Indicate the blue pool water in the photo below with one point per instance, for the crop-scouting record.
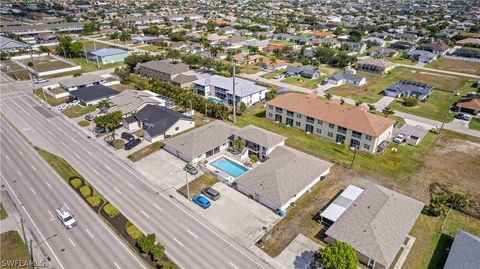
(232, 168)
(215, 99)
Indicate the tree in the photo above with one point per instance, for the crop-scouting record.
(105, 104)
(371, 107)
(342, 101)
(146, 243)
(168, 265)
(355, 36)
(124, 37)
(410, 101)
(358, 103)
(114, 36)
(242, 107)
(253, 50)
(157, 251)
(387, 111)
(68, 48)
(90, 27)
(339, 255)
(109, 121)
(133, 59)
(45, 49)
(328, 96)
(152, 30)
(238, 145)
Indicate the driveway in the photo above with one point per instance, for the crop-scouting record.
(384, 102)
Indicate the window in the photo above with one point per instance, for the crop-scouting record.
(319, 130)
(356, 134)
(320, 122)
(270, 115)
(330, 134)
(368, 137)
(278, 118)
(278, 110)
(310, 120)
(366, 146)
(290, 113)
(342, 130)
(177, 128)
(331, 125)
(299, 116)
(270, 106)
(297, 123)
(289, 122)
(308, 128)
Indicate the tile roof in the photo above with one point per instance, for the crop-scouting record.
(470, 103)
(465, 252)
(352, 118)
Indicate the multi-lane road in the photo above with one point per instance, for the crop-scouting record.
(190, 241)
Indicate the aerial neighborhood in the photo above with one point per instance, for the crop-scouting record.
(240, 134)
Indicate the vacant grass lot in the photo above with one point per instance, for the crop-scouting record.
(456, 66)
(474, 124)
(14, 70)
(400, 60)
(45, 63)
(50, 99)
(3, 213)
(399, 165)
(89, 66)
(153, 48)
(196, 185)
(303, 82)
(78, 110)
(13, 249)
(250, 69)
(145, 151)
(272, 74)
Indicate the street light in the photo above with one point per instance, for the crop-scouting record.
(186, 182)
(355, 149)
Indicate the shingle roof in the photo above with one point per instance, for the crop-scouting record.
(166, 67)
(376, 62)
(353, 118)
(465, 252)
(93, 93)
(81, 80)
(377, 223)
(286, 172)
(243, 87)
(130, 100)
(7, 43)
(158, 119)
(260, 136)
(108, 52)
(342, 75)
(182, 78)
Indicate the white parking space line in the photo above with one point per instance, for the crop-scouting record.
(130, 185)
(18, 171)
(117, 190)
(233, 265)
(190, 232)
(178, 242)
(95, 171)
(49, 132)
(76, 155)
(34, 192)
(71, 241)
(155, 205)
(63, 144)
(145, 214)
(117, 265)
(106, 166)
(51, 215)
(48, 185)
(89, 233)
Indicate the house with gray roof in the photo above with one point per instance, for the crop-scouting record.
(86, 80)
(9, 45)
(158, 122)
(347, 77)
(283, 178)
(306, 71)
(130, 101)
(166, 71)
(407, 88)
(376, 225)
(422, 56)
(93, 94)
(465, 252)
(258, 141)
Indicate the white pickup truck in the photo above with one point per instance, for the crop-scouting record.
(66, 217)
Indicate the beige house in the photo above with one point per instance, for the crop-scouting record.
(352, 126)
(375, 65)
(177, 74)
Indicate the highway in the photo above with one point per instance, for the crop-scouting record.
(189, 240)
(37, 190)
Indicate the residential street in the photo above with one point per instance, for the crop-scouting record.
(439, 71)
(189, 240)
(37, 192)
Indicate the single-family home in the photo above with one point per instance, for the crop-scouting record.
(469, 104)
(306, 71)
(422, 56)
(130, 101)
(327, 42)
(436, 48)
(381, 52)
(355, 127)
(46, 38)
(347, 77)
(271, 48)
(406, 37)
(376, 225)
(375, 65)
(356, 47)
(227, 30)
(177, 74)
(233, 42)
(321, 34)
(10, 45)
(468, 42)
(93, 94)
(256, 43)
(407, 88)
(402, 46)
(158, 122)
(464, 251)
(258, 141)
(271, 64)
(467, 53)
(108, 55)
(143, 39)
(219, 87)
(374, 41)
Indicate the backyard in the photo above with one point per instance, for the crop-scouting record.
(250, 69)
(474, 124)
(456, 66)
(89, 66)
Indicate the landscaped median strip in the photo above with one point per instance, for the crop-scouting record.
(152, 252)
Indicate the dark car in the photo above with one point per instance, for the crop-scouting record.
(99, 130)
(463, 116)
(127, 136)
(190, 169)
(211, 193)
(201, 201)
(70, 99)
(131, 144)
(89, 117)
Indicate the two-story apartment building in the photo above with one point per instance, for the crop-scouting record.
(177, 74)
(355, 127)
(218, 87)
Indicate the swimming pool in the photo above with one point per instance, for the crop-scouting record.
(230, 167)
(215, 99)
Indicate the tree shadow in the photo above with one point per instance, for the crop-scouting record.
(304, 259)
(440, 254)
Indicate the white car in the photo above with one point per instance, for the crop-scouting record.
(399, 138)
(66, 217)
(41, 80)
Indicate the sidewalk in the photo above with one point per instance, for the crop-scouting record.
(439, 71)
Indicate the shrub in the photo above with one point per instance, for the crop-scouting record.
(254, 158)
(76, 182)
(438, 205)
(168, 265)
(117, 143)
(111, 210)
(94, 201)
(83, 123)
(145, 243)
(133, 231)
(339, 255)
(77, 74)
(410, 101)
(157, 251)
(86, 191)
(434, 131)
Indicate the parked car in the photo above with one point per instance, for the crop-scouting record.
(463, 116)
(399, 138)
(131, 144)
(211, 193)
(127, 136)
(66, 217)
(99, 130)
(41, 80)
(70, 99)
(190, 169)
(89, 117)
(201, 201)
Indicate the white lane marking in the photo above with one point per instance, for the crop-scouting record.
(89, 153)
(71, 241)
(89, 233)
(63, 144)
(34, 224)
(51, 215)
(130, 185)
(95, 171)
(155, 205)
(106, 166)
(67, 207)
(178, 241)
(19, 152)
(33, 168)
(48, 185)
(8, 157)
(18, 171)
(190, 232)
(76, 155)
(49, 132)
(117, 190)
(145, 214)
(117, 265)
(33, 190)
(233, 265)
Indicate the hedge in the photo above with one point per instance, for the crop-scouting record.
(86, 191)
(111, 210)
(83, 123)
(117, 143)
(133, 231)
(76, 182)
(94, 200)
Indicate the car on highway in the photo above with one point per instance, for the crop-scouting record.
(463, 116)
(131, 144)
(41, 80)
(211, 193)
(201, 201)
(399, 138)
(190, 169)
(89, 117)
(127, 136)
(66, 217)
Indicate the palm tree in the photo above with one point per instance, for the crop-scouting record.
(124, 37)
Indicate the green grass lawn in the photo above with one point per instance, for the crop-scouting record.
(3, 213)
(78, 110)
(398, 165)
(89, 66)
(429, 250)
(13, 249)
(62, 167)
(474, 124)
(272, 74)
(145, 151)
(153, 48)
(50, 99)
(456, 66)
(195, 186)
(282, 42)
(400, 60)
(304, 82)
(250, 69)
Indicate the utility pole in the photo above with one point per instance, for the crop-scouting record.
(188, 188)
(446, 115)
(96, 55)
(234, 97)
(353, 159)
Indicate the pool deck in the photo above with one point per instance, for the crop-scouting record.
(222, 175)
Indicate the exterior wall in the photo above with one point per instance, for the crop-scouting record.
(180, 126)
(322, 128)
(113, 58)
(151, 139)
(264, 201)
(147, 72)
(133, 126)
